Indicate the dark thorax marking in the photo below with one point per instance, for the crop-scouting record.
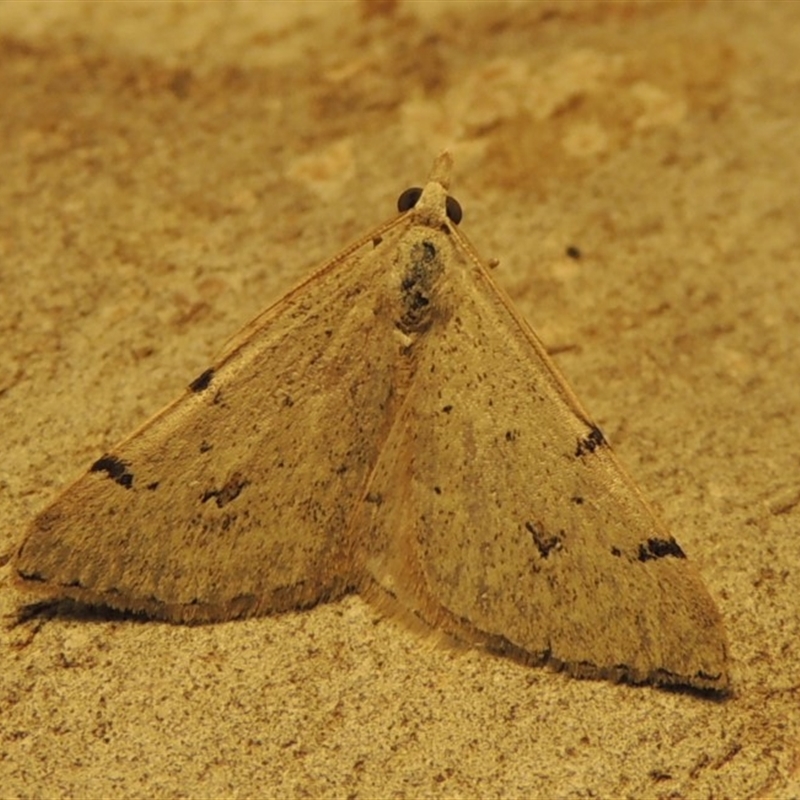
(416, 287)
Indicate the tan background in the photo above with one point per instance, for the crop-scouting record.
(169, 169)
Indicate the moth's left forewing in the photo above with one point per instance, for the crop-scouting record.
(238, 497)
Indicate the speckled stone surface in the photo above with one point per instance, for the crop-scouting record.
(170, 169)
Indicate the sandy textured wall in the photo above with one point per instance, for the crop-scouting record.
(169, 169)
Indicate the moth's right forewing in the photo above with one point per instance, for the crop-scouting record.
(506, 518)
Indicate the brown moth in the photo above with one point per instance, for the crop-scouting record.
(391, 426)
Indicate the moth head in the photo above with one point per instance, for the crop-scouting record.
(411, 197)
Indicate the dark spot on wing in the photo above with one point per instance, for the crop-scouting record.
(31, 576)
(115, 469)
(577, 499)
(230, 491)
(544, 542)
(180, 83)
(205, 447)
(202, 381)
(615, 551)
(447, 409)
(152, 486)
(660, 548)
(374, 497)
(574, 252)
(590, 443)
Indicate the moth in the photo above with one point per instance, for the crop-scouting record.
(394, 427)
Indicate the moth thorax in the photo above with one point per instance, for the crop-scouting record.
(417, 290)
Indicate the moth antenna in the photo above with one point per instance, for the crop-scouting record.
(442, 169)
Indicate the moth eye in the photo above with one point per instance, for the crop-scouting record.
(408, 199)
(454, 210)
(411, 196)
